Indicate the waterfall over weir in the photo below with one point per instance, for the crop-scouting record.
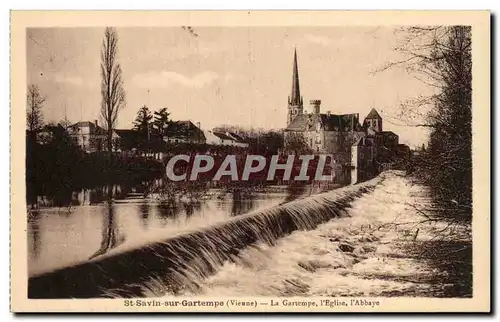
(201, 252)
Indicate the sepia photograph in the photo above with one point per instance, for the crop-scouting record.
(252, 167)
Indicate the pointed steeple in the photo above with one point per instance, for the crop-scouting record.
(295, 106)
(295, 98)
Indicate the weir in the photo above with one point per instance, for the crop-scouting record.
(198, 253)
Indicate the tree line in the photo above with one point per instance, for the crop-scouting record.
(440, 56)
(57, 165)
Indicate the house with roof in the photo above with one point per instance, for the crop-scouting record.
(211, 138)
(226, 139)
(48, 133)
(238, 140)
(222, 138)
(89, 136)
(184, 132)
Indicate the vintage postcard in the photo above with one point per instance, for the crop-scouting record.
(204, 161)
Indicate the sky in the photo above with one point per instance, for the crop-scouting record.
(231, 75)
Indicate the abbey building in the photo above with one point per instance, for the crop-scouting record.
(358, 147)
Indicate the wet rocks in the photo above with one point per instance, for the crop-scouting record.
(294, 287)
(368, 238)
(319, 251)
(333, 237)
(307, 266)
(369, 248)
(315, 264)
(363, 249)
(346, 248)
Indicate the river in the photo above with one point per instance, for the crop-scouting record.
(89, 226)
(379, 244)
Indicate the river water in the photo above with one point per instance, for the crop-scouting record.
(91, 226)
(381, 246)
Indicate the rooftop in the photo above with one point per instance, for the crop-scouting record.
(184, 129)
(223, 136)
(330, 122)
(373, 114)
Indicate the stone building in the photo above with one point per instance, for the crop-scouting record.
(355, 146)
(363, 156)
(323, 133)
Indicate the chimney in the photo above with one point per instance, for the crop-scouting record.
(198, 124)
(328, 113)
(95, 122)
(316, 104)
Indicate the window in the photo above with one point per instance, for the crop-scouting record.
(318, 139)
(375, 123)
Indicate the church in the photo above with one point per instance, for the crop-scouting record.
(354, 145)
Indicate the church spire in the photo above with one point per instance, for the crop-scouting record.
(295, 99)
(295, 107)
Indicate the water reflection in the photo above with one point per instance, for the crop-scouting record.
(167, 210)
(110, 233)
(113, 218)
(294, 191)
(34, 235)
(96, 196)
(144, 211)
(189, 208)
(243, 202)
(83, 197)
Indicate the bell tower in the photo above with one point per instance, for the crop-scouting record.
(295, 103)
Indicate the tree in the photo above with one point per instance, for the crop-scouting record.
(161, 120)
(142, 121)
(269, 141)
(35, 102)
(440, 56)
(65, 122)
(296, 143)
(112, 92)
